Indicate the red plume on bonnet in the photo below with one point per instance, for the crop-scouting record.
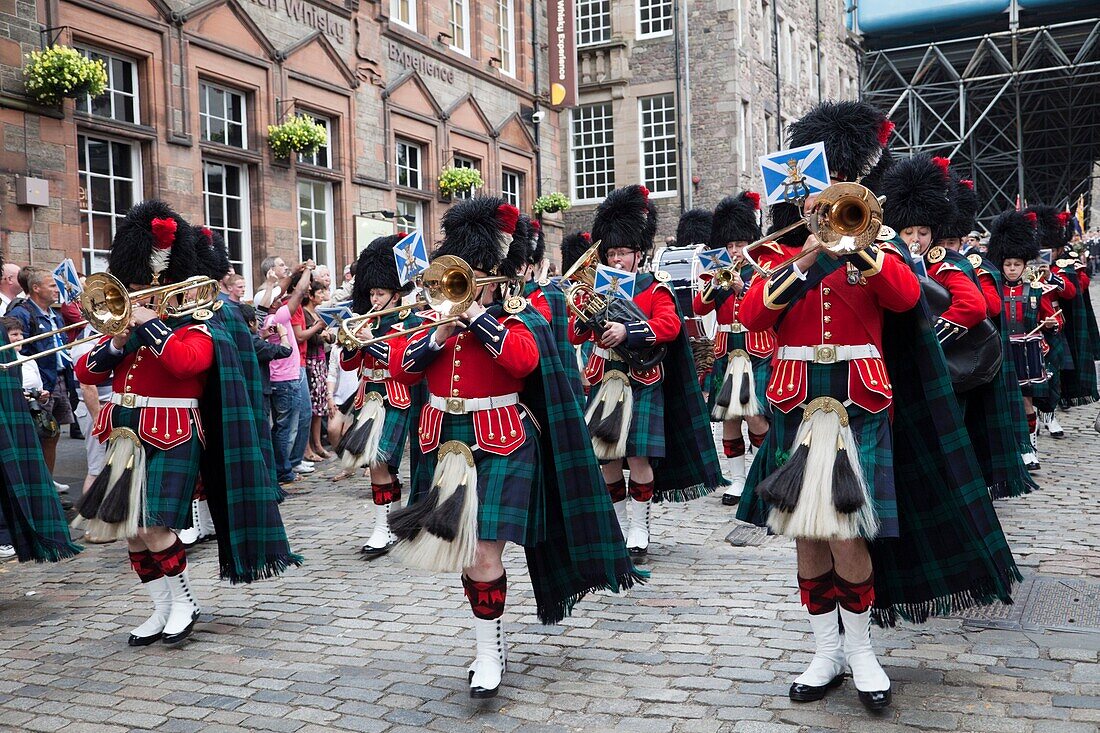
(164, 235)
(507, 216)
(884, 132)
(1033, 218)
(942, 163)
(587, 236)
(754, 198)
(1064, 217)
(967, 182)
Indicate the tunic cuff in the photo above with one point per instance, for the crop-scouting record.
(490, 332)
(104, 357)
(154, 335)
(419, 354)
(639, 333)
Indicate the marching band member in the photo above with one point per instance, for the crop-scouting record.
(181, 403)
(494, 463)
(380, 411)
(851, 346)
(1027, 311)
(651, 416)
(742, 358)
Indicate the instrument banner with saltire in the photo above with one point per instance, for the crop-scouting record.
(580, 547)
(613, 282)
(714, 259)
(410, 254)
(237, 464)
(949, 552)
(28, 499)
(690, 467)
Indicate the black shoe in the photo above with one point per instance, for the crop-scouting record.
(372, 553)
(480, 693)
(810, 693)
(730, 500)
(638, 554)
(874, 700)
(174, 638)
(143, 640)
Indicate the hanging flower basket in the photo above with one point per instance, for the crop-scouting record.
(61, 72)
(459, 180)
(299, 134)
(551, 203)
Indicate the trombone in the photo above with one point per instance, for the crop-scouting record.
(450, 288)
(846, 217)
(107, 306)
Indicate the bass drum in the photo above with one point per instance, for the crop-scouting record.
(975, 358)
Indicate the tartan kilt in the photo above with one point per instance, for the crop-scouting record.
(170, 475)
(646, 436)
(395, 429)
(1047, 394)
(872, 434)
(761, 371)
(511, 500)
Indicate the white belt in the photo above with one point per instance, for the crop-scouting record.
(730, 328)
(602, 352)
(376, 375)
(827, 353)
(137, 400)
(462, 406)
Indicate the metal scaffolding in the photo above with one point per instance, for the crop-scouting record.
(1017, 110)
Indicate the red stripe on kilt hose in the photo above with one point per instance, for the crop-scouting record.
(486, 598)
(733, 448)
(818, 594)
(145, 565)
(172, 561)
(855, 597)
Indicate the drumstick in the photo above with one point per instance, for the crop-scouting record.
(1038, 328)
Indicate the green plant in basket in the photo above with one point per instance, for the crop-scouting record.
(551, 203)
(459, 180)
(61, 72)
(298, 134)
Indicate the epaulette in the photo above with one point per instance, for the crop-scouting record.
(515, 304)
(936, 254)
(885, 234)
(975, 260)
(661, 276)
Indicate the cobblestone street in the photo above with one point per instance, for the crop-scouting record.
(710, 644)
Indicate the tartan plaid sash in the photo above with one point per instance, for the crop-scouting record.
(28, 499)
(1079, 384)
(238, 467)
(555, 297)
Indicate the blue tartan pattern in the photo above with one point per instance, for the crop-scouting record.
(1079, 380)
(28, 500)
(646, 434)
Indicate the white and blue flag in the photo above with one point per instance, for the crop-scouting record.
(796, 173)
(613, 282)
(411, 257)
(333, 314)
(715, 259)
(68, 281)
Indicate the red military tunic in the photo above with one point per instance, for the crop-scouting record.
(832, 313)
(168, 365)
(372, 365)
(988, 283)
(489, 358)
(757, 343)
(968, 305)
(538, 301)
(662, 326)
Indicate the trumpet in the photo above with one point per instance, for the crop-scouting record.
(347, 333)
(107, 306)
(723, 277)
(450, 288)
(846, 218)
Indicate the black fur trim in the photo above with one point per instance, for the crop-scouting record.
(572, 247)
(213, 258)
(626, 218)
(847, 493)
(88, 504)
(376, 268)
(916, 193)
(746, 395)
(964, 209)
(1051, 233)
(783, 487)
(116, 504)
(735, 220)
(472, 231)
(850, 131)
(443, 522)
(694, 227)
(784, 215)
(133, 246)
(520, 250)
(725, 395)
(405, 523)
(1011, 235)
(873, 180)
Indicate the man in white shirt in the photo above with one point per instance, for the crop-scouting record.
(9, 286)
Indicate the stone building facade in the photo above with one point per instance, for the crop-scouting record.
(692, 134)
(404, 87)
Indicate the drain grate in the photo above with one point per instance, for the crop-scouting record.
(747, 535)
(1043, 603)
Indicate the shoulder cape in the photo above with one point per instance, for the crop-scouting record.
(584, 549)
(238, 468)
(28, 499)
(690, 468)
(951, 553)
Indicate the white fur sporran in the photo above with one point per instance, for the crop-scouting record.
(738, 372)
(609, 414)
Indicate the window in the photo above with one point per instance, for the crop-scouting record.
(120, 100)
(460, 26)
(464, 162)
(771, 135)
(322, 157)
(506, 36)
(511, 187)
(410, 215)
(593, 22)
(408, 164)
(792, 54)
(658, 132)
(814, 68)
(654, 18)
(593, 152)
(222, 116)
(225, 198)
(315, 236)
(403, 12)
(766, 36)
(110, 179)
(744, 135)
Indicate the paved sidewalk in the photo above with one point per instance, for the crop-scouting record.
(710, 644)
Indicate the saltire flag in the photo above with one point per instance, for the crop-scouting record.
(333, 314)
(715, 259)
(411, 256)
(613, 282)
(795, 174)
(68, 281)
